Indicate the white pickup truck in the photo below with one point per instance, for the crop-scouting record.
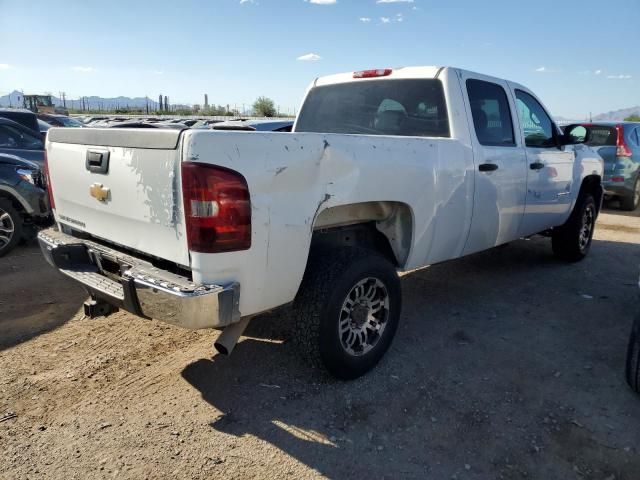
(386, 170)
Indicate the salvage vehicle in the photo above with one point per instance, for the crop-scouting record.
(22, 116)
(618, 143)
(386, 170)
(24, 204)
(16, 139)
(60, 120)
(255, 125)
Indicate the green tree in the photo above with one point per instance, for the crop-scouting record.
(264, 107)
(633, 118)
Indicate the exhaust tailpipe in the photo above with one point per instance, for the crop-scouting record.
(227, 340)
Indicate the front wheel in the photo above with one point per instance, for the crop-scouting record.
(347, 311)
(633, 357)
(10, 227)
(572, 240)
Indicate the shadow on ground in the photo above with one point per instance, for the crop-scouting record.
(612, 207)
(507, 364)
(34, 297)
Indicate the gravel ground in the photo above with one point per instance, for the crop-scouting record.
(507, 364)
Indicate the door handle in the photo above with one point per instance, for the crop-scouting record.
(97, 161)
(536, 166)
(487, 167)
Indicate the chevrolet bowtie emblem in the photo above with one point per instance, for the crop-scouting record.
(99, 192)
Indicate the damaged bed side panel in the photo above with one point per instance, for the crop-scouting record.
(293, 178)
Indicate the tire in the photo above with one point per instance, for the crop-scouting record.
(10, 227)
(631, 202)
(633, 357)
(572, 241)
(355, 290)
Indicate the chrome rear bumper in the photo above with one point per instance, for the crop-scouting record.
(135, 285)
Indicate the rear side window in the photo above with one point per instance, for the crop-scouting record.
(602, 136)
(491, 113)
(377, 107)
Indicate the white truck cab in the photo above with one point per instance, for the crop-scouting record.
(386, 170)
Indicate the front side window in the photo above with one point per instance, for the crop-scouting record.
(405, 107)
(491, 113)
(537, 125)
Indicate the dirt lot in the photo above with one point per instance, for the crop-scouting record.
(507, 364)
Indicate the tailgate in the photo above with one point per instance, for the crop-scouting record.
(121, 185)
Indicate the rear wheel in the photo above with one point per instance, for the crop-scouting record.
(572, 240)
(347, 311)
(633, 357)
(631, 201)
(10, 227)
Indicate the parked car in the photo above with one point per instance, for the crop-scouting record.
(255, 125)
(618, 143)
(24, 204)
(16, 139)
(24, 117)
(60, 120)
(385, 170)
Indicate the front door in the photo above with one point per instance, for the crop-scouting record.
(500, 165)
(550, 168)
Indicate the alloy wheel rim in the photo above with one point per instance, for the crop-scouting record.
(636, 193)
(586, 228)
(7, 228)
(364, 316)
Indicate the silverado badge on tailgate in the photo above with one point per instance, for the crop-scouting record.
(99, 191)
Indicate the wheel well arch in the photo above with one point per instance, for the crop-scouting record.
(592, 184)
(384, 226)
(14, 200)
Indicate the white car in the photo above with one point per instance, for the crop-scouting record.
(386, 170)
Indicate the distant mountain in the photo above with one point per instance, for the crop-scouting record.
(14, 99)
(617, 115)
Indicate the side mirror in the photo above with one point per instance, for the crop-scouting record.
(575, 134)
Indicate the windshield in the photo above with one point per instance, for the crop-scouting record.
(404, 107)
(69, 122)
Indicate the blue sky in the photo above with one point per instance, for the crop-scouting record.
(578, 56)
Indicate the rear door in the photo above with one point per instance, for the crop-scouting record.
(120, 185)
(500, 164)
(550, 168)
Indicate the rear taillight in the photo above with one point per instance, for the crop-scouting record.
(381, 72)
(217, 208)
(47, 177)
(622, 149)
